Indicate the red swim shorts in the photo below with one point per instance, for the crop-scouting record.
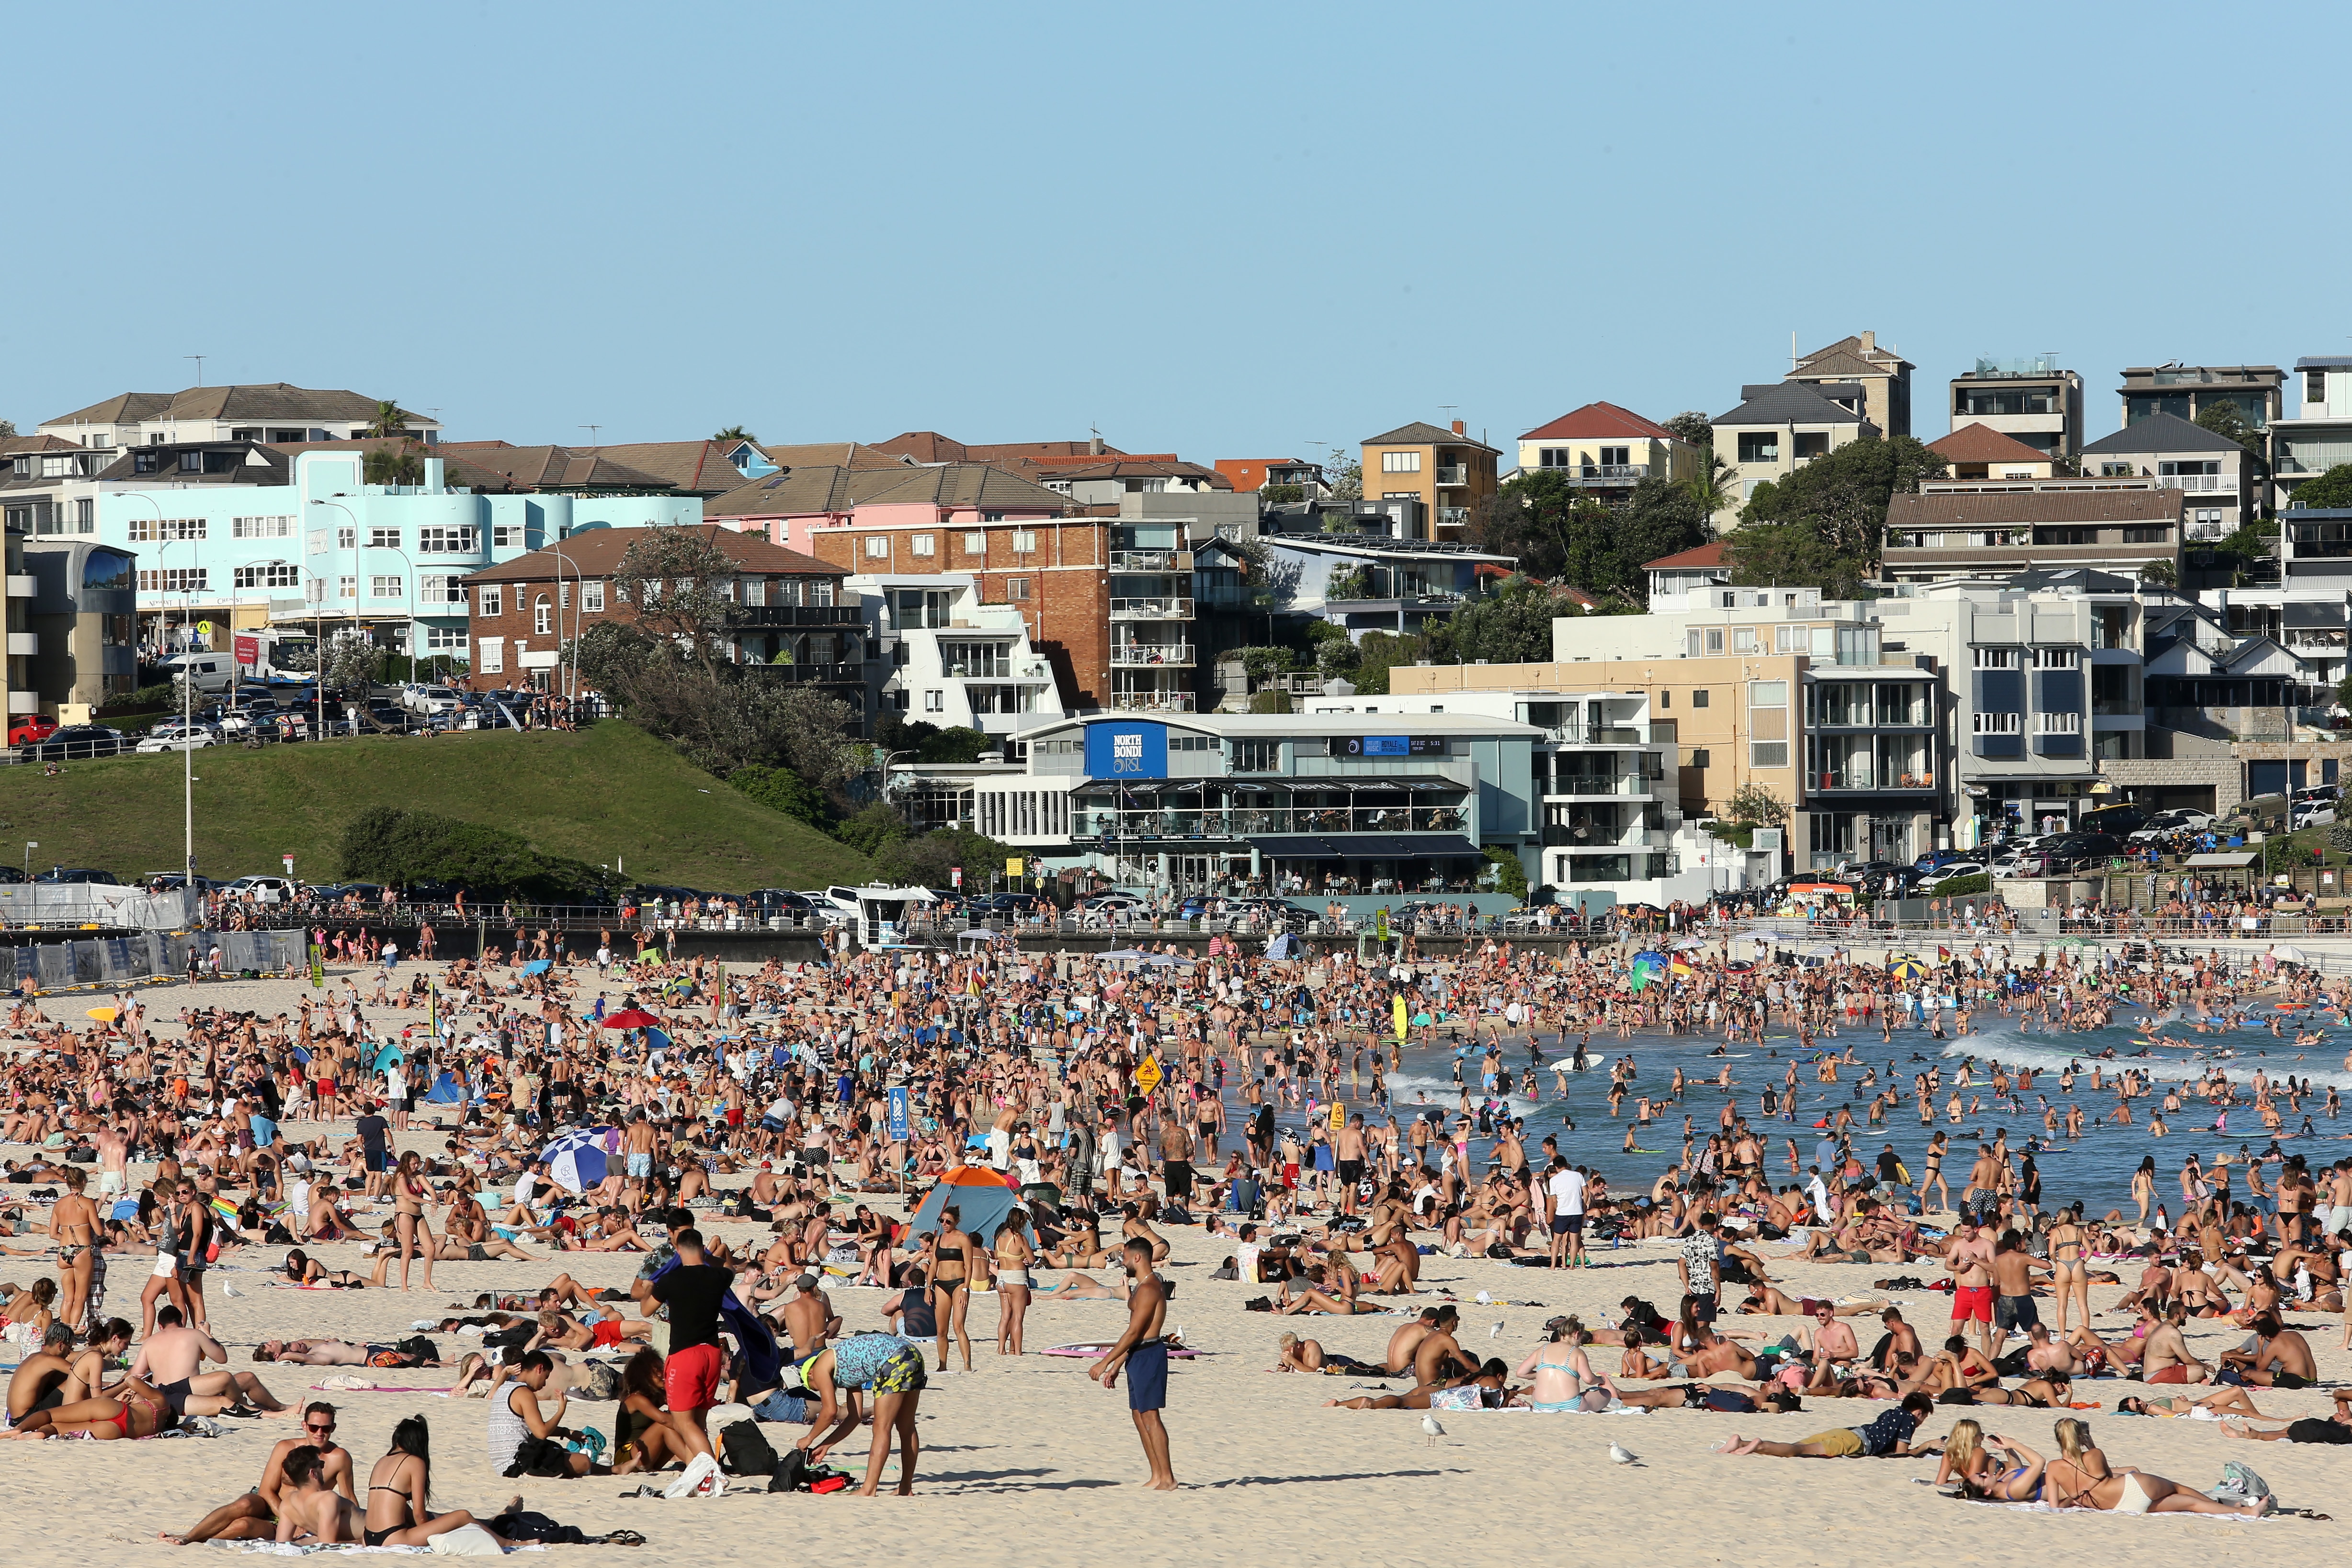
(2175, 1373)
(604, 1334)
(1973, 1303)
(690, 1377)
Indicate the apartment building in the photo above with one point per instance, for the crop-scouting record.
(1981, 452)
(1672, 576)
(81, 623)
(938, 654)
(1289, 480)
(1782, 423)
(1446, 470)
(1604, 451)
(2213, 474)
(2031, 401)
(1883, 375)
(2319, 437)
(272, 414)
(786, 612)
(1979, 529)
(2184, 391)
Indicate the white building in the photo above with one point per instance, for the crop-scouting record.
(943, 658)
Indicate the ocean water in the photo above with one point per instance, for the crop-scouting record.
(2096, 1167)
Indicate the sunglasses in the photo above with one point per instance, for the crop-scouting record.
(321, 1431)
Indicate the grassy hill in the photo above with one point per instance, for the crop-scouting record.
(609, 794)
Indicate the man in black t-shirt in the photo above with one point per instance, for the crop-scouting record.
(375, 1149)
(692, 1290)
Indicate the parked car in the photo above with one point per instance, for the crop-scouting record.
(431, 699)
(32, 727)
(265, 890)
(1934, 859)
(2315, 813)
(1950, 871)
(75, 742)
(82, 876)
(178, 735)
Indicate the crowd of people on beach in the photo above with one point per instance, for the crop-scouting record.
(596, 1103)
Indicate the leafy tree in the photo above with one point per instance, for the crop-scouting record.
(2332, 490)
(1283, 495)
(1825, 523)
(782, 789)
(384, 844)
(1716, 486)
(1379, 652)
(872, 827)
(8, 428)
(926, 860)
(390, 420)
(734, 433)
(673, 580)
(1355, 583)
(1265, 663)
(2245, 545)
(1557, 531)
(2159, 572)
(1511, 625)
(1693, 426)
(400, 465)
(2226, 419)
(1344, 475)
(719, 714)
(1336, 656)
(1510, 872)
(1755, 802)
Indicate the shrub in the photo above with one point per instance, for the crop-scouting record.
(1965, 887)
(384, 844)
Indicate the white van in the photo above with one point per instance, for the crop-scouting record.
(206, 671)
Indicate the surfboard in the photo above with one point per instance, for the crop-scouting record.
(1104, 1349)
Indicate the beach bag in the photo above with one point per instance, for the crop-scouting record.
(745, 1450)
(539, 1456)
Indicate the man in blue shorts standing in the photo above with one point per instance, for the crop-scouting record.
(1142, 1350)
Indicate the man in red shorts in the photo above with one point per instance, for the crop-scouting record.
(691, 1289)
(1969, 1257)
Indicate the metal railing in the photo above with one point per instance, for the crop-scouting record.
(1171, 609)
(1453, 477)
(1133, 656)
(1571, 785)
(1230, 822)
(1151, 561)
(1152, 701)
(1603, 473)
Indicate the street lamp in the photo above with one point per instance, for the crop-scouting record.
(187, 690)
(321, 619)
(572, 676)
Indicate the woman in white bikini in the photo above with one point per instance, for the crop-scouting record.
(1014, 1256)
(2081, 1479)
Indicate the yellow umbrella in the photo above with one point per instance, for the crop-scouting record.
(1908, 969)
(103, 1015)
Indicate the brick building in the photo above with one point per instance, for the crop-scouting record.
(783, 606)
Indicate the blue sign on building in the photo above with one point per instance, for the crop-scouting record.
(1126, 749)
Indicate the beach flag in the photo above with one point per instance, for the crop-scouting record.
(1680, 966)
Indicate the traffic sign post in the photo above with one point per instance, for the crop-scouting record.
(900, 1122)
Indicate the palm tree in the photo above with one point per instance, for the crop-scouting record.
(389, 420)
(734, 433)
(1716, 486)
(392, 465)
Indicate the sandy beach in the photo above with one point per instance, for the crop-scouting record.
(1026, 1460)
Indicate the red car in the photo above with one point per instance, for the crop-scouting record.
(30, 729)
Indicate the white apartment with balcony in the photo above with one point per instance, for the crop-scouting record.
(1604, 451)
(2031, 401)
(2319, 437)
(941, 656)
(2218, 492)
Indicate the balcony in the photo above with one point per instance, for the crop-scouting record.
(1151, 701)
(24, 702)
(1580, 786)
(1159, 656)
(1851, 779)
(1151, 561)
(1597, 734)
(2225, 483)
(812, 674)
(1238, 821)
(1455, 477)
(23, 585)
(1152, 609)
(794, 616)
(1452, 516)
(22, 642)
(1602, 476)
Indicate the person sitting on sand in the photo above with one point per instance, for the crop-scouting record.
(1307, 1355)
(253, 1516)
(1338, 1297)
(1968, 1461)
(2080, 1478)
(140, 1412)
(609, 1331)
(301, 1268)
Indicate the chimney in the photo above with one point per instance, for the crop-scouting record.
(1457, 428)
(1095, 446)
(1869, 341)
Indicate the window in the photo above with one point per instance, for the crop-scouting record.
(269, 575)
(1699, 757)
(384, 538)
(1016, 588)
(1767, 754)
(1996, 724)
(591, 598)
(820, 590)
(1715, 639)
(2315, 387)
(1698, 698)
(493, 600)
(1791, 639)
(975, 545)
(85, 516)
(1555, 458)
(384, 587)
(444, 639)
(934, 702)
(1616, 457)
(1229, 531)
(2159, 534)
(347, 588)
(1997, 658)
(2057, 658)
(506, 535)
(1257, 757)
(1743, 639)
(919, 544)
(261, 528)
(142, 462)
(57, 467)
(1759, 446)
(491, 654)
(1024, 542)
(1399, 462)
(192, 462)
(540, 616)
(147, 530)
(175, 580)
(1191, 743)
(877, 547)
(992, 660)
(1768, 724)
(441, 590)
(448, 541)
(2057, 723)
(1665, 699)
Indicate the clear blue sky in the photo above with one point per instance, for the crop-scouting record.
(1225, 231)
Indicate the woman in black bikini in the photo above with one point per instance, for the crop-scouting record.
(399, 1486)
(948, 1280)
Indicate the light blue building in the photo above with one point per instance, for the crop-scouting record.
(326, 547)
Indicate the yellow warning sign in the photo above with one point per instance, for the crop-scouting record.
(1148, 1075)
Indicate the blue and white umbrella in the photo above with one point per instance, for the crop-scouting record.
(576, 1161)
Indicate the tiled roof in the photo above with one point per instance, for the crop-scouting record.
(2162, 432)
(691, 466)
(1786, 403)
(1421, 433)
(1596, 421)
(264, 401)
(805, 492)
(1688, 560)
(2001, 509)
(594, 552)
(1983, 444)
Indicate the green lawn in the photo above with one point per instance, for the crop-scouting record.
(611, 795)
